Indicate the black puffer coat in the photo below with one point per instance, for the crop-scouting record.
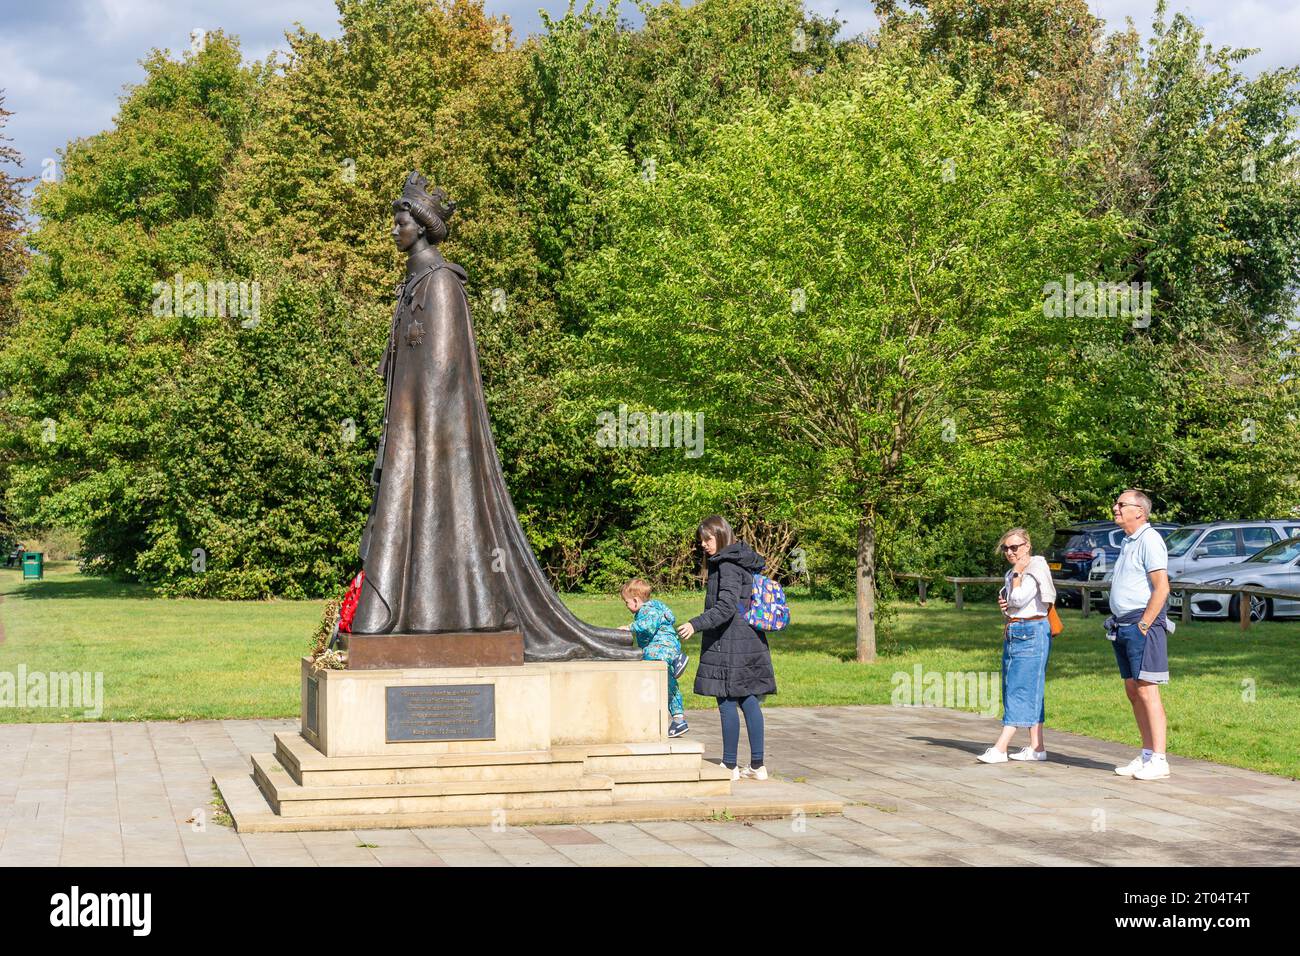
(734, 657)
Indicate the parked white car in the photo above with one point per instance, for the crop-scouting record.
(1196, 548)
(1276, 567)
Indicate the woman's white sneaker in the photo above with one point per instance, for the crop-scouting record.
(1130, 768)
(734, 771)
(1028, 753)
(993, 755)
(752, 774)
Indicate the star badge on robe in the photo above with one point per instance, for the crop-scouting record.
(415, 333)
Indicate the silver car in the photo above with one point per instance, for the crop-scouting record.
(1276, 567)
(1195, 548)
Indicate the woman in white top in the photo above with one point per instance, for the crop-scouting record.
(1027, 642)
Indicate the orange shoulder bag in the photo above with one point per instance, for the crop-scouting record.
(1054, 621)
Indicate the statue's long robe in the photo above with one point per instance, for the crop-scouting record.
(443, 550)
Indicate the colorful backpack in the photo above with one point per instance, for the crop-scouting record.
(767, 608)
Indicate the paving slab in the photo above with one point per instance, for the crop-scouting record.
(107, 794)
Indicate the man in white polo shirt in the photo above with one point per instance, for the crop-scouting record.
(1138, 627)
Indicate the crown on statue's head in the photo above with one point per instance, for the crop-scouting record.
(416, 192)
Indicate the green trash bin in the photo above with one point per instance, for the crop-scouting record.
(33, 565)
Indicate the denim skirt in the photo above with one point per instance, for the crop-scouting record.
(1024, 672)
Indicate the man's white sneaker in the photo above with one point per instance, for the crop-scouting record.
(751, 774)
(1153, 769)
(1028, 753)
(993, 755)
(1130, 768)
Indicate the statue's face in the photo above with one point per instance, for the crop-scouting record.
(406, 231)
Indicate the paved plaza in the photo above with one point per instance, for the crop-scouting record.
(102, 794)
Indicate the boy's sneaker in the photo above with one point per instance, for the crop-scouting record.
(1028, 753)
(755, 773)
(1153, 769)
(1130, 768)
(678, 727)
(679, 665)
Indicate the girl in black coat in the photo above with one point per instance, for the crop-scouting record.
(735, 663)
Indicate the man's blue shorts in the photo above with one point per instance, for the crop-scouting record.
(1142, 657)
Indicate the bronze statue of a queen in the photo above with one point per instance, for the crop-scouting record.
(450, 577)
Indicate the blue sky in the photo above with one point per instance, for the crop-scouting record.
(63, 63)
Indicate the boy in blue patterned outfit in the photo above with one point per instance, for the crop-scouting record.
(655, 635)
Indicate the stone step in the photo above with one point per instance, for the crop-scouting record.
(353, 771)
(670, 789)
(750, 800)
(637, 762)
(669, 765)
(704, 780)
(691, 775)
(375, 793)
(671, 757)
(665, 746)
(285, 787)
(483, 776)
(289, 798)
(301, 756)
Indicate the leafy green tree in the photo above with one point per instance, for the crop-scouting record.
(281, 175)
(13, 263)
(1051, 56)
(13, 247)
(1219, 238)
(637, 209)
(1202, 161)
(850, 290)
(691, 65)
(601, 94)
(90, 368)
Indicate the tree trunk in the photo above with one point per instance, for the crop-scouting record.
(866, 588)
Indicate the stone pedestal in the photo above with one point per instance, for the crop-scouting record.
(580, 741)
(537, 706)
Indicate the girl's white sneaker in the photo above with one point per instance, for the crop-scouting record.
(1028, 753)
(752, 774)
(735, 771)
(993, 755)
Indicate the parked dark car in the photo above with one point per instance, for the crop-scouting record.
(1075, 547)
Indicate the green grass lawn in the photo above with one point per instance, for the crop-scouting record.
(186, 659)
